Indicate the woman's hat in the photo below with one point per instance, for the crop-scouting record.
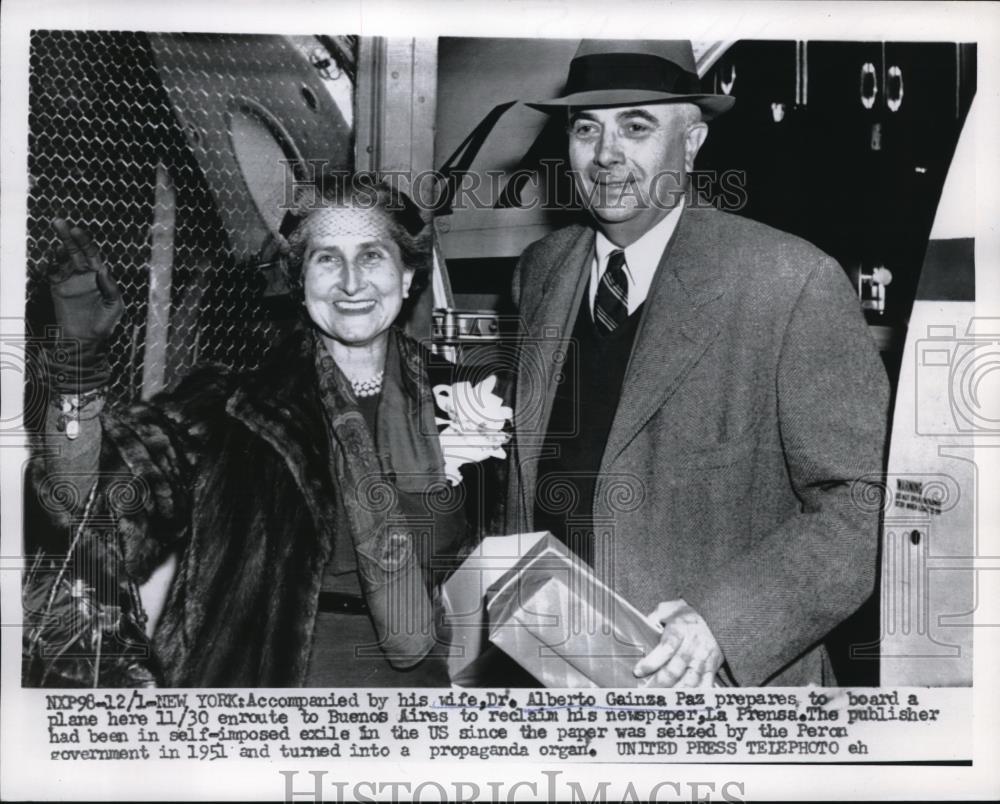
(622, 72)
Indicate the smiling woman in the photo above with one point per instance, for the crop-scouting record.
(309, 502)
(354, 283)
(347, 263)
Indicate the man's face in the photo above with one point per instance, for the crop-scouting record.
(630, 163)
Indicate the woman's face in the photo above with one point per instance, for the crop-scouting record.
(352, 274)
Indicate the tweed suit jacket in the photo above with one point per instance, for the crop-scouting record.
(741, 469)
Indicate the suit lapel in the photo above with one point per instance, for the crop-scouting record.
(549, 323)
(680, 319)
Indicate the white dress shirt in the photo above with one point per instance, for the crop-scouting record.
(641, 259)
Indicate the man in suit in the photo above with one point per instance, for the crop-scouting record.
(700, 409)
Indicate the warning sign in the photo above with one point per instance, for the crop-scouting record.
(910, 494)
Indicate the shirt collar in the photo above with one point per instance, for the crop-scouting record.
(641, 258)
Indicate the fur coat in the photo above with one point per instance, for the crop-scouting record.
(232, 473)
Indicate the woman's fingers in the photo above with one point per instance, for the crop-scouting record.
(56, 266)
(81, 250)
(88, 300)
(111, 296)
(70, 240)
(91, 252)
(61, 227)
(87, 256)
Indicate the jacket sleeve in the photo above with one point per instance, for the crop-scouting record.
(772, 603)
(515, 282)
(148, 453)
(526, 273)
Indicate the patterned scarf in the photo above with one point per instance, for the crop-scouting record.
(389, 566)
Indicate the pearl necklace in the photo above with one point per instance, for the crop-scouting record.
(368, 387)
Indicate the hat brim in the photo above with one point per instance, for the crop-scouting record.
(710, 105)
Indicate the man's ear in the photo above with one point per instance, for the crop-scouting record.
(693, 140)
(408, 275)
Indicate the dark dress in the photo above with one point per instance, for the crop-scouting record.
(345, 645)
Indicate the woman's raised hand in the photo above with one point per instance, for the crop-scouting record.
(87, 305)
(87, 301)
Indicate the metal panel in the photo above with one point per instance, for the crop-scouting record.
(101, 123)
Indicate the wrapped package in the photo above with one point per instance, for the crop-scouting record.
(472, 660)
(528, 599)
(553, 616)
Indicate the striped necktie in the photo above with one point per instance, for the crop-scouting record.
(611, 301)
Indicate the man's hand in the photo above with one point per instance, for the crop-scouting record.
(86, 299)
(687, 656)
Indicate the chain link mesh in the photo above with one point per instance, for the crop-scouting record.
(102, 129)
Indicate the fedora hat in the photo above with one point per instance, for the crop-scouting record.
(622, 72)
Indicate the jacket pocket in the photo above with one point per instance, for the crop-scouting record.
(688, 454)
